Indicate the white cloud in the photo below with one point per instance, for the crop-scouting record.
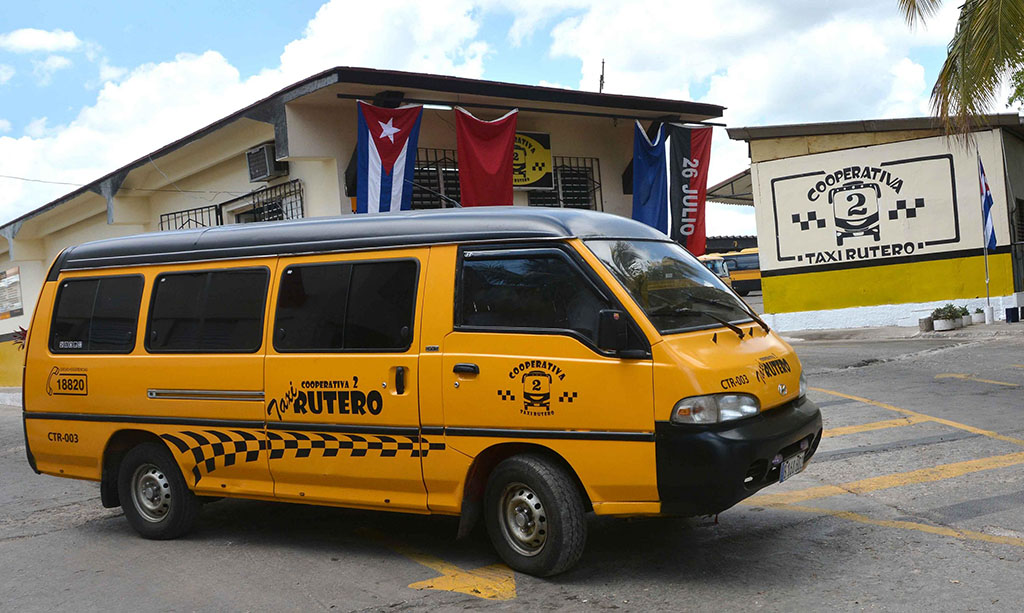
(769, 63)
(153, 104)
(109, 72)
(44, 69)
(5, 126)
(36, 128)
(27, 40)
(6, 72)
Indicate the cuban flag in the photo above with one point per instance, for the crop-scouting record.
(387, 154)
(986, 209)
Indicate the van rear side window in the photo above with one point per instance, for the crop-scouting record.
(364, 306)
(218, 311)
(97, 315)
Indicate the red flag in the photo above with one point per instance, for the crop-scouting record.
(485, 158)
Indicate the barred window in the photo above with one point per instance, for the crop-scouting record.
(577, 185)
(274, 203)
(435, 179)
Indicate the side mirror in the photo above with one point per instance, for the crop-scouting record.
(612, 331)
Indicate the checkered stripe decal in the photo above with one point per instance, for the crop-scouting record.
(210, 448)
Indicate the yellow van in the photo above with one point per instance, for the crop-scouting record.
(716, 264)
(519, 366)
(744, 269)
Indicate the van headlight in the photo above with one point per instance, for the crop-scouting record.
(803, 385)
(715, 408)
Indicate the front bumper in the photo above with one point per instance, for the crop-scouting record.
(705, 470)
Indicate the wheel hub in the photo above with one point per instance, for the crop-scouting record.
(151, 493)
(523, 519)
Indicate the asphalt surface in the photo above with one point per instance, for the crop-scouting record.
(915, 501)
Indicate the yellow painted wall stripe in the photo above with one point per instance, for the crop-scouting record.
(875, 425)
(966, 377)
(908, 525)
(938, 420)
(923, 281)
(882, 482)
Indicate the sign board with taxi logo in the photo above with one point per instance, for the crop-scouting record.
(531, 161)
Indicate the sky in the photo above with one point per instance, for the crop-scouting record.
(88, 87)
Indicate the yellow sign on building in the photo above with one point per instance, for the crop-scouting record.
(531, 161)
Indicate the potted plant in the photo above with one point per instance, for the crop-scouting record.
(965, 315)
(978, 317)
(944, 318)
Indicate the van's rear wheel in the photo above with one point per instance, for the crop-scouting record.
(156, 501)
(535, 515)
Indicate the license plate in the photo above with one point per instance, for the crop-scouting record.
(791, 466)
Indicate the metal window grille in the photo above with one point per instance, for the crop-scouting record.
(577, 183)
(273, 203)
(435, 179)
(201, 217)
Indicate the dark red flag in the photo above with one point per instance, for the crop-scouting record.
(485, 158)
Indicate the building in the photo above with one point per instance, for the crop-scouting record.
(286, 157)
(867, 223)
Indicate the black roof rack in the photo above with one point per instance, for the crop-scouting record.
(349, 233)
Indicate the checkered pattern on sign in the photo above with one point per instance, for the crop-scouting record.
(213, 448)
(909, 211)
(568, 397)
(812, 218)
(506, 395)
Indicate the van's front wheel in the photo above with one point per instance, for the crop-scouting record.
(535, 515)
(156, 501)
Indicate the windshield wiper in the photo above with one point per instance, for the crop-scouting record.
(747, 309)
(689, 311)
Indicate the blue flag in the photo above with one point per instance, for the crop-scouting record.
(986, 209)
(650, 179)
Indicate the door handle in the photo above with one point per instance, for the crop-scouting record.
(400, 379)
(467, 368)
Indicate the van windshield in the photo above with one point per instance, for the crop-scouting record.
(674, 289)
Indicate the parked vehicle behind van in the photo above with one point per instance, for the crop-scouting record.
(744, 269)
(716, 264)
(517, 366)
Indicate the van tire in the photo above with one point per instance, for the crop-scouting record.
(547, 534)
(156, 501)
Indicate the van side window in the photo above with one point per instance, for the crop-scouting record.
(217, 311)
(360, 306)
(537, 292)
(96, 315)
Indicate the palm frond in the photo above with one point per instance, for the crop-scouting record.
(915, 11)
(987, 45)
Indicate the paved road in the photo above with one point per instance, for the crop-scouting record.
(914, 502)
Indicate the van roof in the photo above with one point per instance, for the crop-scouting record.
(350, 232)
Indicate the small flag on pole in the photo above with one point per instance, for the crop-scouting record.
(986, 209)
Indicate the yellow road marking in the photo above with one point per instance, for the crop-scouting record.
(882, 482)
(493, 582)
(956, 375)
(1017, 365)
(938, 420)
(909, 525)
(875, 425)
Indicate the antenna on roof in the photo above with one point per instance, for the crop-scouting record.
(600, 84)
